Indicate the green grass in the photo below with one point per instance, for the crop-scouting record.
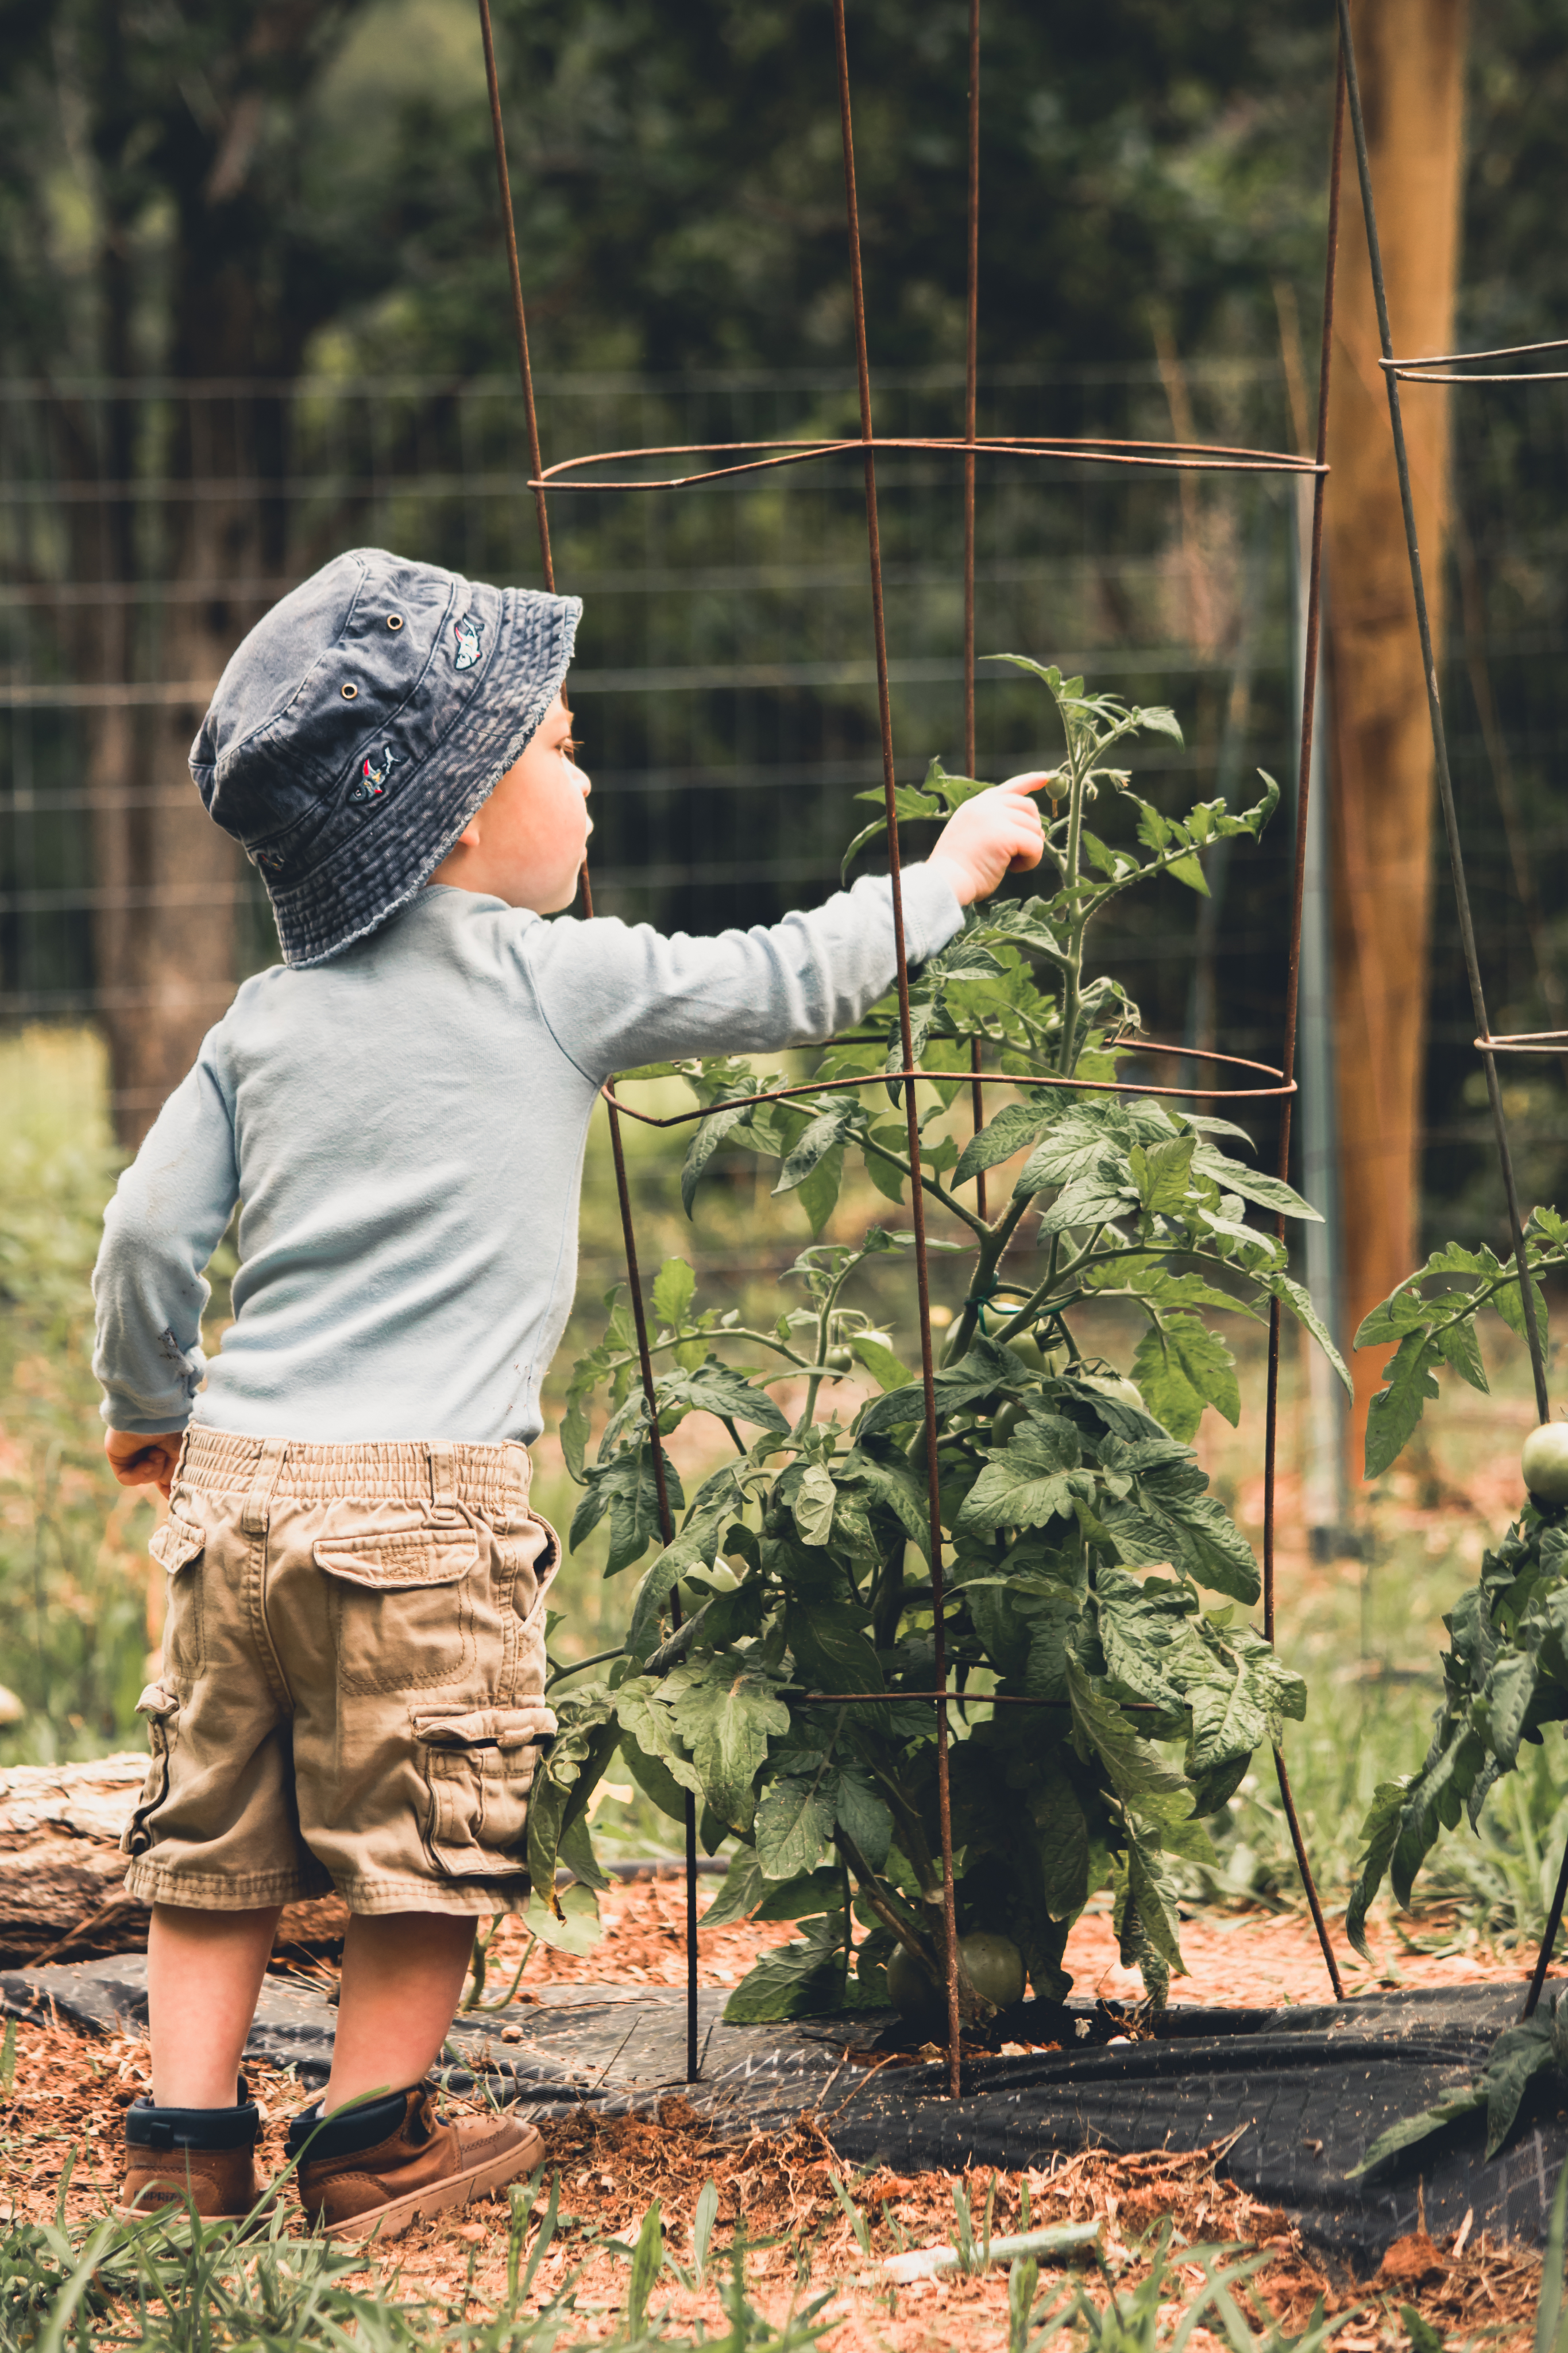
(180, 2288)
(73, 1571)
(172, 2286)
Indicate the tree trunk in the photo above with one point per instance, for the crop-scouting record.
(1411, 56)
(185, 875)
(61, 1872)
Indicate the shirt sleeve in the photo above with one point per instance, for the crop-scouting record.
(166, 1220)
(615, 995)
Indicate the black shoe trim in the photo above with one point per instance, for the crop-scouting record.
(316, 2137)
(147, 2126)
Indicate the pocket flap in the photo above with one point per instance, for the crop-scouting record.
(391, 1561)
(158, 1701)
(487, 1727)
(176, 1544)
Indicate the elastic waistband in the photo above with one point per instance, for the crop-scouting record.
(492, 1479)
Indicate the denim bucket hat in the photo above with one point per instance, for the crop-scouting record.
(359, 726)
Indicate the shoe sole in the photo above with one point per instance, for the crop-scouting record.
(176, 2211)
(400, 2214)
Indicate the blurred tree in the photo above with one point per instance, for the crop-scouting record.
(1411, 60)
(232, 192)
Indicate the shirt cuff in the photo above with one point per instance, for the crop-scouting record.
(932, 916)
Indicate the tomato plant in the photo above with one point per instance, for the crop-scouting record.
(1505, 1676)
(1081, 1547)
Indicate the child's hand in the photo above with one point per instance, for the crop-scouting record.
(144, 1462)
(998, 832)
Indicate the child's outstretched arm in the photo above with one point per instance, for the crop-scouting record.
(614, 996)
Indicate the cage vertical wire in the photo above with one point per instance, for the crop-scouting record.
(623, 1190)
(743, 458)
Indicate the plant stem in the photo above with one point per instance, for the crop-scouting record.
(1077, 922)
(822, 1370)
(581, 1666)
(729, 1331)
(933, 1185)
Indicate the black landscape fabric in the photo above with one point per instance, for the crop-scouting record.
(1303, 2092)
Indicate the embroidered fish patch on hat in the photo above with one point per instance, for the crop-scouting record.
(468, 632)
(374, 769)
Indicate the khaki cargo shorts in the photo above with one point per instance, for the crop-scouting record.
(354, 1676)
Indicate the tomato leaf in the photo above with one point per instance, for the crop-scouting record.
(799, 1981)
(1180, 1367)
(794, 1822)
(1015, 1125)
(717, 1387)
(625, 1487)
(726, 1715)
(710, 1133)
(675, 1287)
(1396, 1410)
(742, 1889)
(831, 1646)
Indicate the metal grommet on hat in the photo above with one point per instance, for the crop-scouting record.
(395, 620)
(348, 691)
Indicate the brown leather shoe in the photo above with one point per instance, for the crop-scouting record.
(181, 2157)
(421, 2168)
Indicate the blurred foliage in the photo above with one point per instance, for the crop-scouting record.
(242, 181)
(72, 1567)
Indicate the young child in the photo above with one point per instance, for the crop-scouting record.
(351, 1694)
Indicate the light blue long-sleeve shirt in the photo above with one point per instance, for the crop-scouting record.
(405, 1126)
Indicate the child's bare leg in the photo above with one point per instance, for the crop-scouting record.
(203, 1974)
(403, 1979)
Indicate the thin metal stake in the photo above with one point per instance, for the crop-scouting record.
(667, 1522)
(1292, 988)
(1435, 712)
(519, 317)
(1553, 1921)
(971, 411)
(928, 1368)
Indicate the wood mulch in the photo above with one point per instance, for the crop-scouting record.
(1242, 1956)
(68, 2094)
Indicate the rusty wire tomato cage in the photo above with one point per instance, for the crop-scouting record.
(754, 457)
(1443, 368)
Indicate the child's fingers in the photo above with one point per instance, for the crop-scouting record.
(1032, 780)
(139, 1461)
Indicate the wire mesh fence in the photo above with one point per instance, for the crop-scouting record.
(724, 685)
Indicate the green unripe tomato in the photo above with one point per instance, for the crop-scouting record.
(995, 1966)
(876, 1339)
(840, 1360)
(1544, 1463)
(910, 1990)
(1026, 1348)
(697, 1590)
(1007, 1420)
(1114, 1385)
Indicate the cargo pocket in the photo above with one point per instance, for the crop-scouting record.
(478, 1770)
(530, 1598)
(401, 1619)
(161, 1708)
(177, 1546)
